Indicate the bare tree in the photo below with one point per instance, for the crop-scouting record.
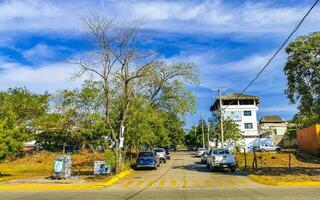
(117, 61)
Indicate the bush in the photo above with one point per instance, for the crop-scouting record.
(110, 157)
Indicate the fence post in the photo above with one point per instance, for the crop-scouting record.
(289, 160)
(254, 163)
(245, 159)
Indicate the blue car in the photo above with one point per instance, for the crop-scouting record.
(147, 159)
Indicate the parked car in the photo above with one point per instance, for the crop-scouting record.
(267, 147)
(161, 153)
(221, 158)
(147, 159)
(204, 157)
(199, 152)
(168, 154)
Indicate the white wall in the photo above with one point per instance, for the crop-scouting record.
(241, 120)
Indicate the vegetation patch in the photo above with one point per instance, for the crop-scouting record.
(274, 167)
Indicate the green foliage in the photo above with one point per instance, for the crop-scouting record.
(110, 157)
(11, 136)
(231, 131)
(18, 109)
(76, 120)
(303, 77)
(25, 105)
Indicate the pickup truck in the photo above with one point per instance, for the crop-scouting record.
(161, 153)
(221, 158)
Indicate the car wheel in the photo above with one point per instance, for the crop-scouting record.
(164, 161)
(233, 169)
(155, 167)
(211, 168)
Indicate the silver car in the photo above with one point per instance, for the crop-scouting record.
(221, 158)
(199, 152)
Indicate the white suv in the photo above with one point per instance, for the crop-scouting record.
(267, 147)
(161, 153)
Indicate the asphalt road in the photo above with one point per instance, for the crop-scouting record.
(182, 177)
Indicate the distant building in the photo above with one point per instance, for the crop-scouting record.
(274, 127)
(242, 109)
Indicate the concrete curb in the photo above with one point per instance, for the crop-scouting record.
(117, 178)
(110, 182)
(269, 181)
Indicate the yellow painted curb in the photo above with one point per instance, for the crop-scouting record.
(309, 183)
(118, 177)
(49, 187)
(269, 181)
(67, 186)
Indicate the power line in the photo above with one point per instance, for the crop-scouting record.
(276, 53)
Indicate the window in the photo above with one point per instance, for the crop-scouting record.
(248, 125)
(246, 102)
(247, 113)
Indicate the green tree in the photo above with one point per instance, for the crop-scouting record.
(231, 132)
(18, 109)
(303, 77)
(11, 136)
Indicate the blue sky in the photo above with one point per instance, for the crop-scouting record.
(228, 40)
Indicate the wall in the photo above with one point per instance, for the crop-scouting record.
(308, 139)
(241, 120)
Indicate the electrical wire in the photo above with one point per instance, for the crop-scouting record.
(276, 53)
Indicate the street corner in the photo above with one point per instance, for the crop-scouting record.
(40, 185)
(116, 178)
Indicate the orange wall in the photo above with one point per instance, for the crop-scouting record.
(308, 139)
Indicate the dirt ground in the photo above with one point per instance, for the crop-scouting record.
(275, 166)
(40, 165)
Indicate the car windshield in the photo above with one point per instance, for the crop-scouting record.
(221, 151)
(145, 154)
(158, 150)
(201, 149)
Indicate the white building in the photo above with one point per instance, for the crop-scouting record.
(243, 110)
(273, 127)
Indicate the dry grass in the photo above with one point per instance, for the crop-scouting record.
(275, 166)
(40, 165)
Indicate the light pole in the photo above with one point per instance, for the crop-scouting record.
(202, 129)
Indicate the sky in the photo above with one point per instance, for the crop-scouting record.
(228, 40)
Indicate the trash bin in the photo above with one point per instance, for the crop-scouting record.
(101, 168)
(62, 167)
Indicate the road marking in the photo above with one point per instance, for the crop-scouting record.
(139, 183)
(150, 183)
(220, 182)
(127, 184)
(231, 182)
(173, 183)
(185, 183)
(196, 183)
(243, 182)
(161, 183)
(208, 183)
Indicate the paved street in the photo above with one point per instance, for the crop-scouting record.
(182, 177)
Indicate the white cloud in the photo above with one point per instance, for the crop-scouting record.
(48, 77)
(174, 16)
(39, 52)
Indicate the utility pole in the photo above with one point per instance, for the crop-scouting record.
(202, 129)
(221, 115)
(208, 135)
(195, 134)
